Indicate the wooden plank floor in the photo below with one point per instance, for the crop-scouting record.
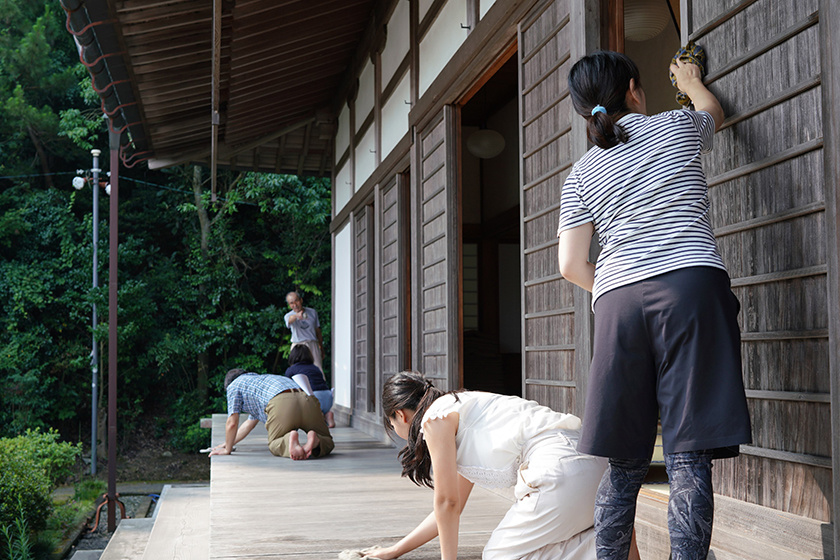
(266, 507)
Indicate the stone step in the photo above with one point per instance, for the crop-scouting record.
(87, 555)
(181, 524)
(128, 542)
(741, 531)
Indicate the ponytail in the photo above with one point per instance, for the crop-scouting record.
(598, 86)
(603, 130)
(411, 390)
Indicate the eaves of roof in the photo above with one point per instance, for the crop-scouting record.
(284, 67)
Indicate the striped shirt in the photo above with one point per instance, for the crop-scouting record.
(647, 199)
(250, 393)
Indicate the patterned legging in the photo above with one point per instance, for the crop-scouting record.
(690, 505)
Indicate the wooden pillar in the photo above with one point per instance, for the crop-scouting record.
(830, 58)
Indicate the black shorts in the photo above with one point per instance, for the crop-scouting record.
(666, 347)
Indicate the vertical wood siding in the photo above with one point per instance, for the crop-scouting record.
(551, 305)
(437, 251)
(363, 351)
(392, 278)
(767, 191)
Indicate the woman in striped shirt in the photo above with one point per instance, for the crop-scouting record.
(667, 342)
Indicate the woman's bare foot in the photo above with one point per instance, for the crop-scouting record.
(312, 441)
(296, 450)
(330, 417)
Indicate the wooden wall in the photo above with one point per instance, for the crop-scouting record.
(436, 243)
(556, 315)
(768, 194)
(393, 275)
(364, 356)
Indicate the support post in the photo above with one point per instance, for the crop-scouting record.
(112, 331)
(94, 353)
(214, 94)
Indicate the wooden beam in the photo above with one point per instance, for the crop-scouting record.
(214, 94)
(830, 61)
(278, 157)
(307, 133)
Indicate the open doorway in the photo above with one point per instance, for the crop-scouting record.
(648, 31)
(492, 310)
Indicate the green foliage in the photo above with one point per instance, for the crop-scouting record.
(24, 493)
(89, 490)
(187, 435)
(43, 449)
(30, 467)
(202, 284)
(40, 78)
(18, 544)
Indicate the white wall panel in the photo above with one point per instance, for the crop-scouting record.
(397, 44)
(365, 157)
(342, 336)
(343, 187)
(395, 116)
(342, 136)
(424, 6)
(364, 101)
(483, 6)
(441, 41)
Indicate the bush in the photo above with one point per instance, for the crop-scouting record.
(31, 465)
(89, 490)
(187, 435)
(24, 494)
(16, 539)
(44, 450)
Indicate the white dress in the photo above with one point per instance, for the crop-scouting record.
(505, 441)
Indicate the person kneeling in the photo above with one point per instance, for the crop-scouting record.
(284, 408)
(461, 438)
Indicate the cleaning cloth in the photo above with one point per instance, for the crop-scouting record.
(695, 55)
(354, 555)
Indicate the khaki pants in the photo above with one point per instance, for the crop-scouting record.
(291, 411)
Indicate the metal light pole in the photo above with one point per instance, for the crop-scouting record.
(78, 184)
(94, 354)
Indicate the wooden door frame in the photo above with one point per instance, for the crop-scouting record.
(830, 72)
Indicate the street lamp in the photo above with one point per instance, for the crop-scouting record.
(78, 184)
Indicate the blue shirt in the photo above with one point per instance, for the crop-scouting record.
(647, 199)
(311, 371)
(250, 393)
(303, 329)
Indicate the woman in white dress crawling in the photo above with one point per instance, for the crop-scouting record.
(472, 437)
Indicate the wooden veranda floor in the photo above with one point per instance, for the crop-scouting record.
(265, 507)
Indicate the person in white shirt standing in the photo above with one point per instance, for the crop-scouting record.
(666, 340)
(306, 330)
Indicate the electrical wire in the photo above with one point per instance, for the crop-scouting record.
(124, 178)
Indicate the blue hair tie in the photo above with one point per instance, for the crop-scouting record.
(599, 109)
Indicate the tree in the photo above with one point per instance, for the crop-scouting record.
(40, 77)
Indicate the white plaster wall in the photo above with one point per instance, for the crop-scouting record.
(342, 324)
(342, 135)
(364, 101)
(396, 46)
(365, 157)
(343, 187)
(441, 41)
(395, 116)
(424, 6)
(483, 6)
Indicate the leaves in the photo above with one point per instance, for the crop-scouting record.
(201, 286)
